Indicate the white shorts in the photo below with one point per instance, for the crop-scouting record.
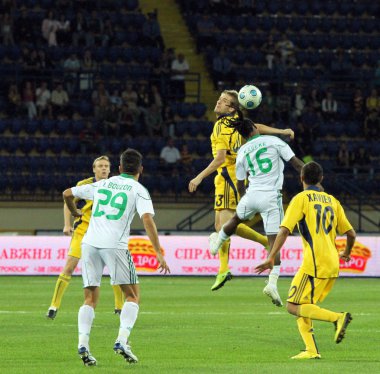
(267, 203)
(119, 262)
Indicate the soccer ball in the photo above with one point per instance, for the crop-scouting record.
(249, 97)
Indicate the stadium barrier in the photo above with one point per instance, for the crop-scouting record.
(186, 255)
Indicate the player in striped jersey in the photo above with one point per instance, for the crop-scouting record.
(101, 168)
(319, 217)
(225, 142)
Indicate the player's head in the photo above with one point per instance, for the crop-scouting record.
(244, 126)
(227, 103)
(311, 173)
(131, 162)
(101, 167)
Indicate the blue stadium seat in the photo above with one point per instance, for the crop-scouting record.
(4, 123)
(17, 125)
(181, 128)
(27, 144)
(198, 110)
(47, 126)
(63, 126)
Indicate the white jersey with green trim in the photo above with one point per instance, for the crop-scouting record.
(261, 159)
(116, 201)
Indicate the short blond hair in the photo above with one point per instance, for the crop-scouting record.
(233, 94)
(101, 158)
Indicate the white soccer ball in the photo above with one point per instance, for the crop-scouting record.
(249, 97)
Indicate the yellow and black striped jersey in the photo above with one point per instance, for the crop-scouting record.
(85, 206)
(225, 138)
(319, 217)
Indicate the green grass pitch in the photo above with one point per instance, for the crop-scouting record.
(183, 327)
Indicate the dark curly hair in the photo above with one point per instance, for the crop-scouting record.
(240, 124)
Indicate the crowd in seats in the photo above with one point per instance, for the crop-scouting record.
(317, 64)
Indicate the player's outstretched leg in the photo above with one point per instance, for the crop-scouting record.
(52, 312)
(305, 355)
(271, 291)
(125, 351)
(341, 326)
(221, 279)
(87, 358)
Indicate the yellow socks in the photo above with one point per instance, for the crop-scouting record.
(119, 297)
(223, 256)
(246, 232)
(60, 288)
(315, 312)
(305, 328)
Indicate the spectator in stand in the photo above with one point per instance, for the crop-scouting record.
(372, 102)
(71, 67)
(89, 137)
(178, 70)
(222, 72)
(372, 126)
(108, 34)
(329, 106)
(59, 101)
(14, 100)
(129, 96)
(269, 48)
(28, 99)
(88, 68)
(50, 26)
(154, 124)
(362, 162)
(340, 65)
(80, 31)
(64, 33)
(156, 97)
(298, 103)
(344, 158)
(95, 28)
(44, 61)
(23, 32)
(43, 96)
(30, 62)
(170, 123)
(303, 142)
(170, 157)
(116, 99)
(6, 22)
(152, 33)
(285, 48)
(314, 100)
(111, 120)
(186, 160)
(128, 123)
(143, 100)
(100, 99)
(205, 28)
(358, 104)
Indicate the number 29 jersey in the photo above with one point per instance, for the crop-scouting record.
(115, 202)
(319, 217)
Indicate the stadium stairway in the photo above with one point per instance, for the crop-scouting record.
(176, 35)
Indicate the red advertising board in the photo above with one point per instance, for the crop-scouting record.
(186, 255)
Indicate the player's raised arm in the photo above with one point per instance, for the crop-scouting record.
(151, 230)
(69, 200)
(267, 130)
(296, 163)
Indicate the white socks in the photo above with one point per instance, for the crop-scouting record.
(86, 315)
(222, 236)
(128, 318)
(274, 274)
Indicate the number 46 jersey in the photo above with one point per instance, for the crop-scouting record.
(261, 158)
(115, 202)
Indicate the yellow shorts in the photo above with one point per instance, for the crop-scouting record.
(226, 194)
(75, 244)
(306, 289)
